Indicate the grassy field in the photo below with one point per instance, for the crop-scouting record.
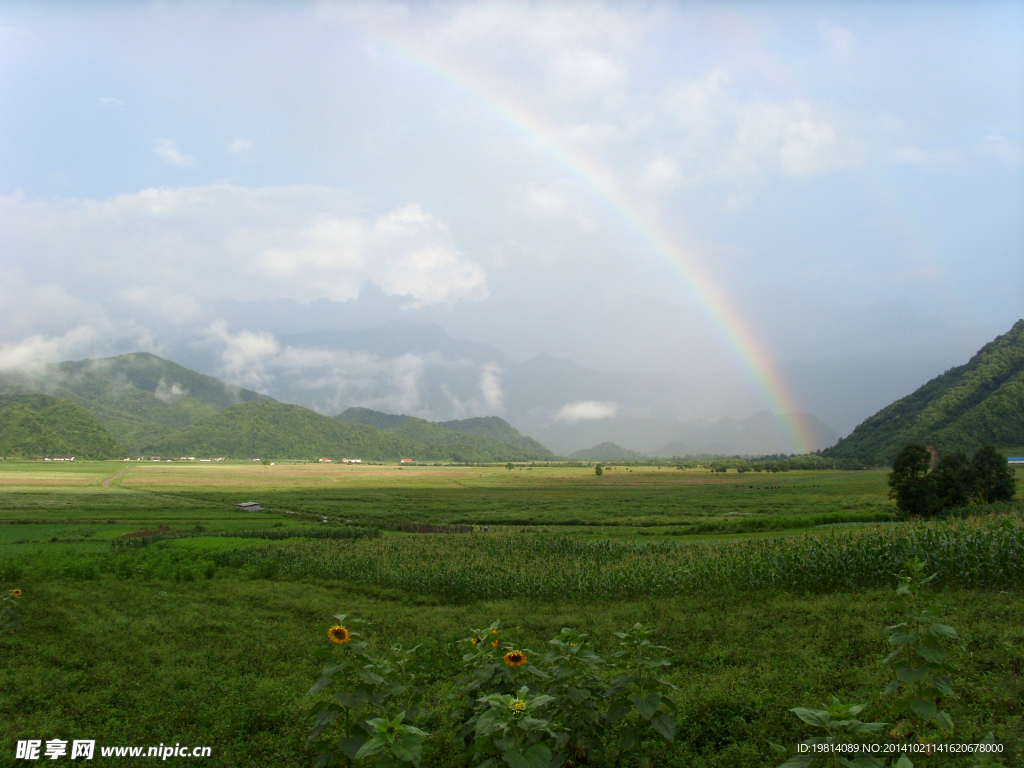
(214, 641)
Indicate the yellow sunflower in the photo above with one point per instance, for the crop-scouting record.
(474, 640)
(16, 593)
(339, 635)
(495, 643)
(515, 658)
(518, 706)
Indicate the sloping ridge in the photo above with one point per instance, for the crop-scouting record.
(36, 426)
(966, 407)
(268, 429)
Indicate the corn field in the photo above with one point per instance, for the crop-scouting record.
(985, 554)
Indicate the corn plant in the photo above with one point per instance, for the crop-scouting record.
(638, 689)
(840, 728)
(361, 715)
(920, 666)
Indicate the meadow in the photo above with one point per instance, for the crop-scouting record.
(769, 591)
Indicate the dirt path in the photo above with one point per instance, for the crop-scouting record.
(106, 483)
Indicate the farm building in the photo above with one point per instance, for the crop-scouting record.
(325, 461)
(406, 461)
(351, 461)
(1016, 460)
(249, 506)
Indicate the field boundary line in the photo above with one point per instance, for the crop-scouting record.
(106, 483)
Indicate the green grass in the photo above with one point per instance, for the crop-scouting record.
(227, 663)
(210, 640)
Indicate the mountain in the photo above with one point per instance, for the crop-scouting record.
(964, 408)
(498, 429)
(35, 426)
(763, 433)
(608, 452)
(268, 429)
(140, 398)
(371, 418)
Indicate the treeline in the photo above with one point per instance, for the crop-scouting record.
(924, 485)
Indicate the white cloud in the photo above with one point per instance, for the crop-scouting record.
(302, 242)
(490, 387)
(170, 393)
(240, 147)
(244, 355)
(168, 151)
(840, 38)
(546, 201)
(587, 410)
(661, 174)
(110, 101)
(30, 356)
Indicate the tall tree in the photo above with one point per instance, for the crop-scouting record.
(911, 483)
(954, 480)
(993, 478)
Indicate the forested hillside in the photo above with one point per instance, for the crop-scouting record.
(266, 429)
(35, 426)
(140, 398)
(968, 406)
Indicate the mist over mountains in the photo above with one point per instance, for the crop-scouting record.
(420, 370)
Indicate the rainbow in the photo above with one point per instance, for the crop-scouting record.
(596, 175)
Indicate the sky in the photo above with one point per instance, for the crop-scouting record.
(779, 193)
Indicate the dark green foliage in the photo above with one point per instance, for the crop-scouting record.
(40, 425)
(965, 408)
(910, 482)
(955, 480)
(993, 479)
(140, 398)
(924, 492)
(276, 430)
(608, 452)
(370, 418)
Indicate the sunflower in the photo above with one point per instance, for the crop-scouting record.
(495, 643)
(339, 635)
(474, 640)
(515, 658)
(494, 631)
(16, 592)
(518, 706)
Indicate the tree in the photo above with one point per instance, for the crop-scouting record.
(954, 480)
(510, 466)
(910, 482)
(993, 478)
(598, 470)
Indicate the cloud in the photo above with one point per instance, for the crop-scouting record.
(31, 356)
(110, 101)
(840, 38)
(168, 151)
(587, 410)
(170, 393)
(155, 247)
(490, 387)
(244, 355)
(240, 147)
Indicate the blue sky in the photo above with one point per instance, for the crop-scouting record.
(849, 175)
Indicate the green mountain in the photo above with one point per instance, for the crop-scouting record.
(495, 435)
(608, 452)
(267, 429)
(496, 429)
(371, 418)
(968, 406)
(140, 398)
(35, 426)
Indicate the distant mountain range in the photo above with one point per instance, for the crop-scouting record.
(141, 404)
(608, 452)
(964, 408)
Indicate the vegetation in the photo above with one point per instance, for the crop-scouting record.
(40, 425)
(954, 482)
(269, 429)
(608, 452)
(628, 670)
(965, 408)
(140, 398)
